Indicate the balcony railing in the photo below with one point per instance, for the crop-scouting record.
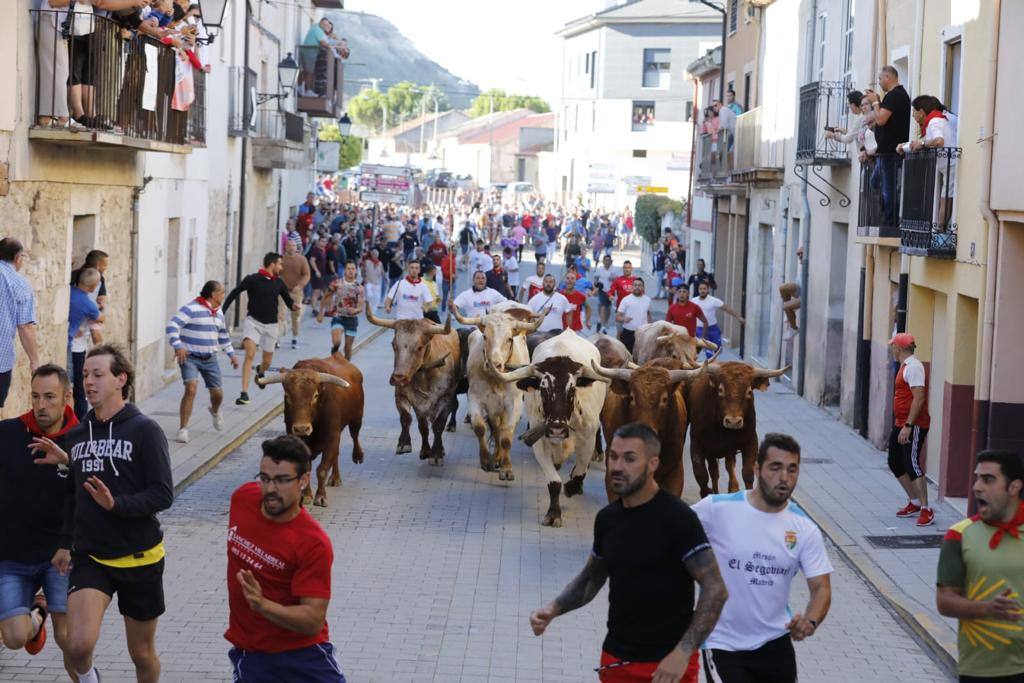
(714, 157)
(279, 125)
(821, 104)
(241, 99)
(123, 91)
(280, 140)
(757, 161)
(321, 79)
(881, 180)
(927, 211)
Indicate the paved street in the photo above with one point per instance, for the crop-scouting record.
(436, 571)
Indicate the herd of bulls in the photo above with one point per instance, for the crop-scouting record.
(574, 390)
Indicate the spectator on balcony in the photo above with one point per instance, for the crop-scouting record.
(52, 62)
(892, 126)
(731, 103)
(936, 132)
(317, 40)
(81, 81)
(855, 133)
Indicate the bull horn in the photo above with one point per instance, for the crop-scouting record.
(531, 327)
(662, 338)
(515, 375)
(380, 322)
(716, 353)
(327, 378)
(436, 363)
(632, 366)
(622, 374)
(474, 321)
(434, 328)
(762, 373)
(705, 344)
(272, 378)
(686, 375)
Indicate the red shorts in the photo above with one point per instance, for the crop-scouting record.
(641, 672)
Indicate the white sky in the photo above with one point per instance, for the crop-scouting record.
(493, 43)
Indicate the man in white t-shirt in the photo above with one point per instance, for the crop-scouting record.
(410, 296)
(478, 299)
(761, 539)
(604, 275)
(551, 301)
(480, 259)
(710, 305)
(532, 284)
(634, 311)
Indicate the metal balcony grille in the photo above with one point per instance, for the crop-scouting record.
(821, 104)
(928, 210)
(876, 213)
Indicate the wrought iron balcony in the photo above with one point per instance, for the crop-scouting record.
(125, 89)
(321, 79)
(880, 183)
(928, 208)
(757, 161)
(822, 103)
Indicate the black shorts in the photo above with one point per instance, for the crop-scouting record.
(140, 590)
(5, 386)
(603, 300)
(627, 337)
(773, 662)
(906, 458)
(80, 53)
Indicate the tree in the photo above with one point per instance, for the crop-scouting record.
(350, 151)
(650, 209)
(401, 103)
(505, 102)
(367, 108)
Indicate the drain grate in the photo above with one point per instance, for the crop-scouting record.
(907, 542)
(816, 461)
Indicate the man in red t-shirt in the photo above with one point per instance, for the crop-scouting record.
(685, 313)
(579, 301)
(437, 250)
(622, 286)
(279, 575)
(910, 429)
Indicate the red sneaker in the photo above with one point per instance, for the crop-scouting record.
(34, 646)
(927, 517)
(909, 511)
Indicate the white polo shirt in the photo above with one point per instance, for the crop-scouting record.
(759, 554)
(605, 276)
(408, 299)
(710, 306)
(558, 304)
(472, 303)
(634, 311)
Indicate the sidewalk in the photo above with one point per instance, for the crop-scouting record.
(207, 446)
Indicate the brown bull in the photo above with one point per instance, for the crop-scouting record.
(322, 396)
(662, 339)
(425, 377)
(652, 394)
(722, 421)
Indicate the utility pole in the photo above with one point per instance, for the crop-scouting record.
(490, 140)
(435, 122)
(423, 113)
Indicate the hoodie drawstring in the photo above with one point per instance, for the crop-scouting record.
(110, 440)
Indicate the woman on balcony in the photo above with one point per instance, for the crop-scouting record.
(52, 58)
(937, 132)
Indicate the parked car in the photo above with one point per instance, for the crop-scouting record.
(442, 179)
(515, 191)
(464, 182)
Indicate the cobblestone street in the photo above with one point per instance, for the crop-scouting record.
(436, 571)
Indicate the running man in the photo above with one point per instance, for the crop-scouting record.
(279, 575)
(533, 283)
(347, 298)
(622, 286)
(295, 273)
(981, 574)
(553, 303)
(478, 299)
(711, 305)
(910, 429)
(604, 275)
(579, 316)
(633, 311)
(685, 313)
(196, 333)
(409, 295)
(31, 540)
(261, 319)
(120, 478)
(650, 545)
(762, 538)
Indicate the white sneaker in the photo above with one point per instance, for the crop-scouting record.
(182, 435)
(218, 420)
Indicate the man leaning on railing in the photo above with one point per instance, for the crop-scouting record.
(937, 132)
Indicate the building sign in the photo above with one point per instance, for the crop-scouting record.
(327, 154)
(386, 184)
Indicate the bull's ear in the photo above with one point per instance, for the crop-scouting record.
(760, 383)
(585, 381)
(619, 387)
(528, 384)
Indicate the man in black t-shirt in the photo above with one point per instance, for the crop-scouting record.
(892, 126)
(652, 548)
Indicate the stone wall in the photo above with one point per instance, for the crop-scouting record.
(41, 215)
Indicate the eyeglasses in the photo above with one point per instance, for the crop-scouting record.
(278, 481)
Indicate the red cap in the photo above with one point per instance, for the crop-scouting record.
(904, 340)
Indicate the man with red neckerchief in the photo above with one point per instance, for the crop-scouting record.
(409, 296)
(981, 574)
(261, 320)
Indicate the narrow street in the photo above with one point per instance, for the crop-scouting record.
(436, 571)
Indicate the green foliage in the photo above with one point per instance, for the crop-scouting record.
(650, 209)
(505, 102)
(350, 152)
(402, 102)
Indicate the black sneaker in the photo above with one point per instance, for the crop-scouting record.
(259, 371)
(295, 344)
(243, 399)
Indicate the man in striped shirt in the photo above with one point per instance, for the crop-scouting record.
(196, 332)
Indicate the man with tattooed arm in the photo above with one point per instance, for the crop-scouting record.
(651, 547)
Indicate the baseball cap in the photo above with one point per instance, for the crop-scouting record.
(676, 281)
(904, 340)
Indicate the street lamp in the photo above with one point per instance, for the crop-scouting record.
(344, 125)
(212, 12)
(287, 70)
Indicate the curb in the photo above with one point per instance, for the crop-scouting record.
(258, 423)
(919, 624)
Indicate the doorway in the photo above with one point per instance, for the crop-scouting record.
(173, 253)
(832, 390)
(83, 238)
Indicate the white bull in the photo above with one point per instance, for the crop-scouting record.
(662, 339)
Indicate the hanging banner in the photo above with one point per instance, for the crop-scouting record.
(327, 155)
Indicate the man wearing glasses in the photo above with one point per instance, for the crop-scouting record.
(279, 575)
(17, 312)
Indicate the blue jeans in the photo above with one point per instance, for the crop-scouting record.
(883, 179)
(714, 336)
(205, 365)
(19, 582)
(314, 664)
(446, 288)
